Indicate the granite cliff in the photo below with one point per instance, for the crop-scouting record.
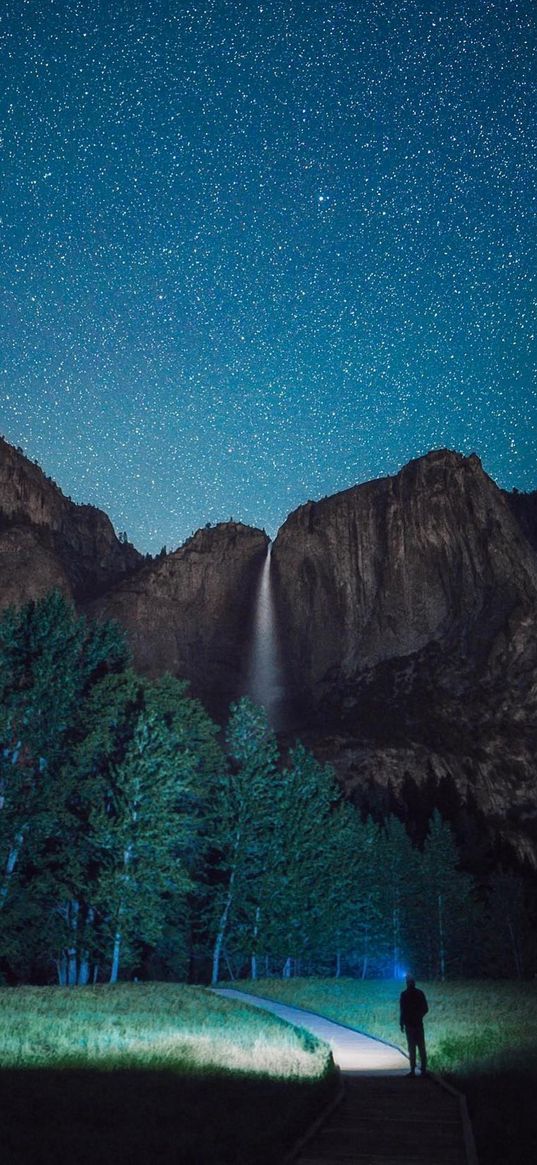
(407, 609)
(381, 570)
(47, 541)
(190, 612)
(524, 507)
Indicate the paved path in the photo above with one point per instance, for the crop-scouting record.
(352, 1051)
(385, 1118)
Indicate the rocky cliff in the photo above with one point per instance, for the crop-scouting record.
(47, 541)
(524, 507)
(381, 570)
(190, 612)
(407, 609)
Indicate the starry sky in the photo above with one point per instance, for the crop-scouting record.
(256, 252)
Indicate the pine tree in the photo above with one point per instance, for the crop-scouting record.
(444, 900)
(359, 927)
(294, 879)
(506, 927)
(103, 780)
(133, 814)
(394, 871)
(242, 823)
(49, 660)
(311, 867)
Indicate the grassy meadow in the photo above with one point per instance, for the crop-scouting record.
(481, 1035)
(151, 1072)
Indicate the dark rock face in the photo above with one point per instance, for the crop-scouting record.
(408, 610)
(524, 507)
(47, 541)
(442, 728)
(190, 612)
(381, 570)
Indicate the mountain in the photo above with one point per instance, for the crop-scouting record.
(190, 612)
(47, 541)
(406, 611)
(381, 570)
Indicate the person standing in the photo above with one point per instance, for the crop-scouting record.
(412, 1008)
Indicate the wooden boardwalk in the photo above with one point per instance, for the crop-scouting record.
(389, 1121)
(385, 1117)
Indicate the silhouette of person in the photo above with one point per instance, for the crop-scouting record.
(413, 1006)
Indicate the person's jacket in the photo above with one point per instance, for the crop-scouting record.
(413, 1006)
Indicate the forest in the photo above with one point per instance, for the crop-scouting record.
(138, 839)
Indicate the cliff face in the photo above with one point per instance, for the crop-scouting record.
(524, 507)
(408, 610)
(190, 612)
(379, 571)
(47, 541)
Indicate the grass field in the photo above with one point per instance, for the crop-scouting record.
(482, 1035)
(151, 1073)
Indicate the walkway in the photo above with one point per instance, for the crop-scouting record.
(384, 1118)
(352, 1051)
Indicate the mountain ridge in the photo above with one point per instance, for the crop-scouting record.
(51, 540)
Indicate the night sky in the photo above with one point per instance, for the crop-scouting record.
(255, 253)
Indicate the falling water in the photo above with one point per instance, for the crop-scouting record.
(264, 683)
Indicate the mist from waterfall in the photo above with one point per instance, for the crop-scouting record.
(265, 679)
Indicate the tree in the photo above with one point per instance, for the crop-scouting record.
(289, 853)
(49, 660)
(359, 928)
(507, 927)
(140, 837)
(241, 817)
(309, 890)
(444, 901)
(394, 871)
(103, 781)
(133, 818)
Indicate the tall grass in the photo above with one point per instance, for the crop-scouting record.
(469, 1024)
(165, 1026)
(151, 1072)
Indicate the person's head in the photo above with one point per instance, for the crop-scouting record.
(410, 981)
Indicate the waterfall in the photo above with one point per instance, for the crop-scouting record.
(264, 683)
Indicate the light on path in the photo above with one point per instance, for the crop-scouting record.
(353, 1052)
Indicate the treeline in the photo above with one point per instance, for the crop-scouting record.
(133, 841)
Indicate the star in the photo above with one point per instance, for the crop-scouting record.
(303, 237)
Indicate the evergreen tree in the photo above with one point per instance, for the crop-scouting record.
(444, 904)
(358, 933)
(311, 866)
(395, 874)
(132, 816)
(507, 929)
(242, 817)
(49, 660)
(290, 853)
(102, 782)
